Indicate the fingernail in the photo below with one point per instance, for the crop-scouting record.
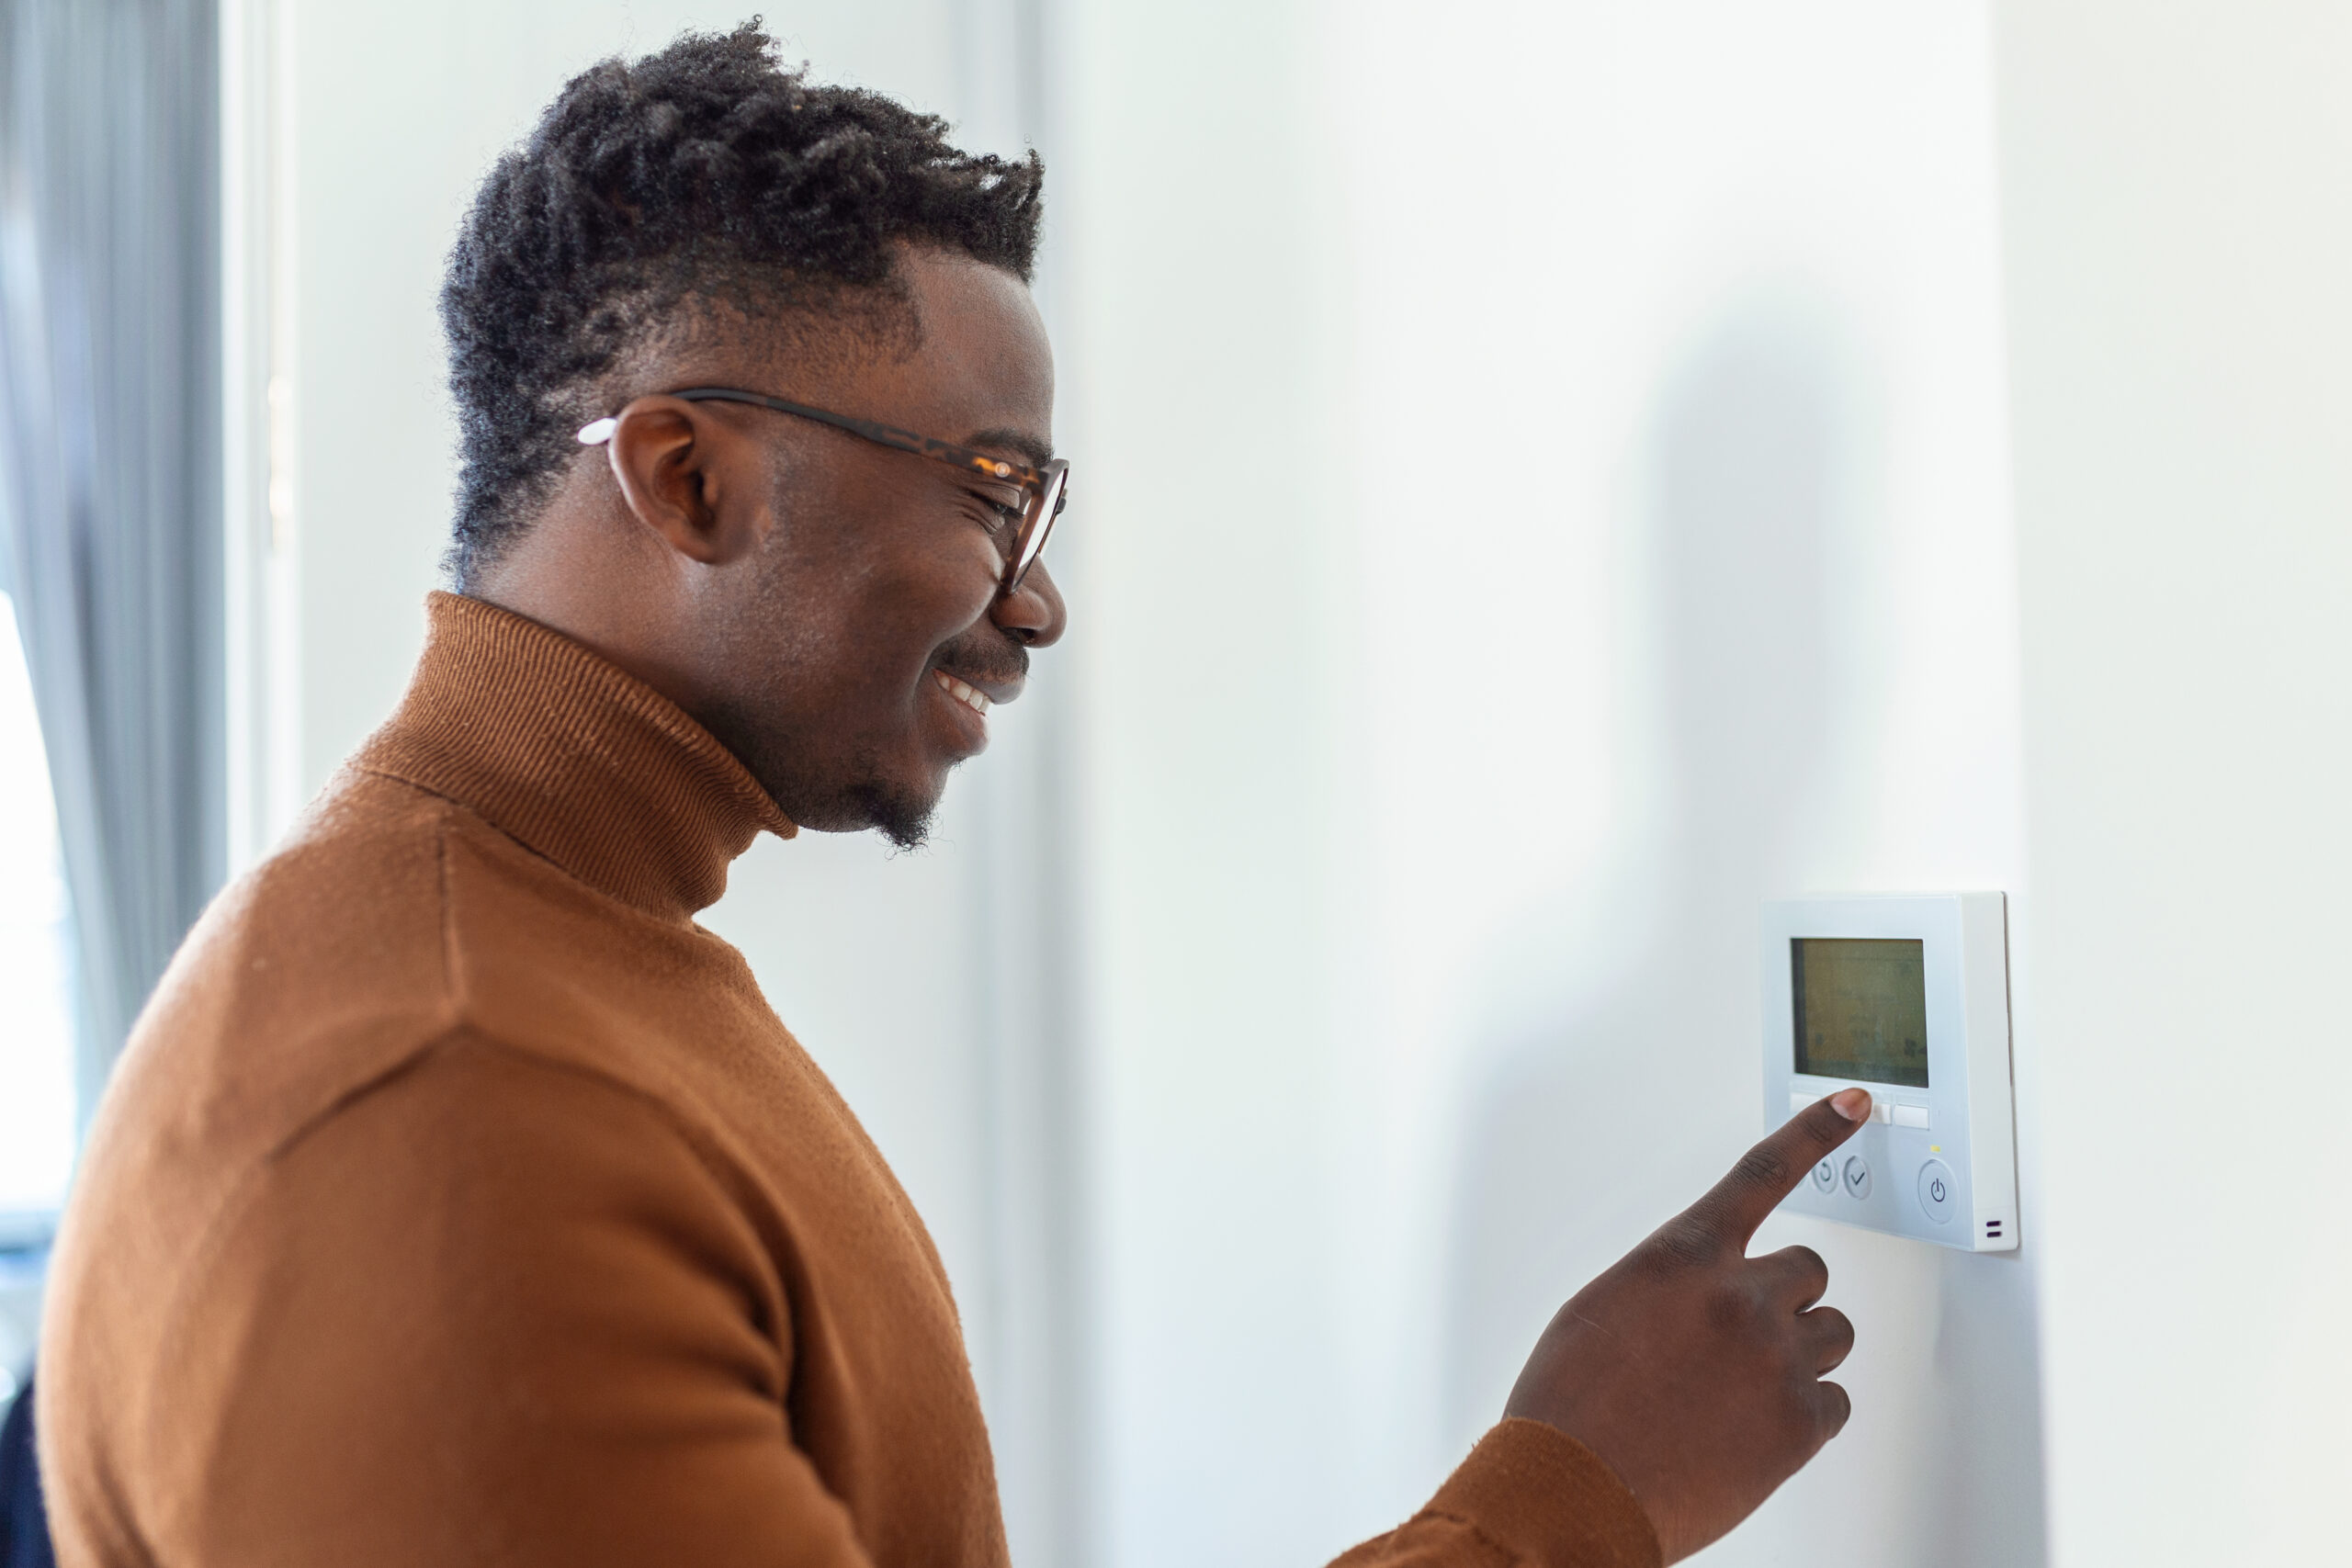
(1853, 1104)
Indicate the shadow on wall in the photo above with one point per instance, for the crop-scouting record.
(1614, 1102)
(1577, 1139)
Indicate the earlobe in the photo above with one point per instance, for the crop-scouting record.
(683, 478)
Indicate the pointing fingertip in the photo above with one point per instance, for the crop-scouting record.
(1853, 1104)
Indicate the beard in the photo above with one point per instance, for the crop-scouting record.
(900, 815)
(827, 800)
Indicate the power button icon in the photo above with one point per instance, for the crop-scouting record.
(1937, 1190)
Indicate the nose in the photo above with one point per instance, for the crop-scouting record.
(1032, 613)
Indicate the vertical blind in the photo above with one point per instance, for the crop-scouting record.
(109, 464)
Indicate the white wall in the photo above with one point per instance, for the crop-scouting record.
(1203, 579)
(2179, 241)
(1545, 490)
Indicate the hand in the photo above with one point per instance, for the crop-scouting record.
(1695, 1370)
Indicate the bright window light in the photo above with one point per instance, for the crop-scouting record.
(36, 951)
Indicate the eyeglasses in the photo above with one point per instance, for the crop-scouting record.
(1043, 491)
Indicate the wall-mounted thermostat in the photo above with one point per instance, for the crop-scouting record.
(1906, 996)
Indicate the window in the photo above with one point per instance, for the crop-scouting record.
(36, 968)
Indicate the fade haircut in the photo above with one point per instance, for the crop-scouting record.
(653, 193)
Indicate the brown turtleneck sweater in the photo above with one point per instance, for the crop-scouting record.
(459, 1201)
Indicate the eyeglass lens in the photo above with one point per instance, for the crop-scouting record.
(1039, 525)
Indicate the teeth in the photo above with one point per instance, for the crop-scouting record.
(974, 700)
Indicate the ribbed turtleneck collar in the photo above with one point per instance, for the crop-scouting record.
(585, 764)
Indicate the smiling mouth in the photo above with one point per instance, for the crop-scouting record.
(971, 697)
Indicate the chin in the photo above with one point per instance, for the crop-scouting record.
(899, 810)
(869, 793)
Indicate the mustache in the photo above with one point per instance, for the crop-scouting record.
(980, 657)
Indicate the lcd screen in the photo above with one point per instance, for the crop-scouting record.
(1861, 1009)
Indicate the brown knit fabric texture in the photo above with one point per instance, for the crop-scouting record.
(1528, 1493)
(459, 1201)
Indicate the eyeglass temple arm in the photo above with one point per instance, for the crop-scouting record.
(874, 430)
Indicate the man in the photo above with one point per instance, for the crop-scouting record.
(459, 1200)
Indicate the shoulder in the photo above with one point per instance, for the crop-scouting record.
(319, 968)
(485, 1255)
(480, 1143)
(479, 1201)
(317, 975)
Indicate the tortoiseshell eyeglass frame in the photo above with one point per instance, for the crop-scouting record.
(1044, 490)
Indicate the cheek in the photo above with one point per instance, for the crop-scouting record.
(907, 606)
(863, 598)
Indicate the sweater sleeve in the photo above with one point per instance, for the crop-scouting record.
(492, 1310)
(1528, 1496)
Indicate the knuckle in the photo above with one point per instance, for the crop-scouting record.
(1835, 1408)
(1764, 1166)
(1829, 1338)
(1798, 1272)
(1683, 1244)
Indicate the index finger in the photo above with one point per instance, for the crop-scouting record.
(1734, 1206)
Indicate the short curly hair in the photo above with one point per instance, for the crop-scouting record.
(705, 175)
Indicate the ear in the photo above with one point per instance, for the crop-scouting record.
(690, 478)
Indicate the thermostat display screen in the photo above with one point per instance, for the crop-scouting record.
(1861, 1009)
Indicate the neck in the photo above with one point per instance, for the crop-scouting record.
(576, 572)
(570, 755)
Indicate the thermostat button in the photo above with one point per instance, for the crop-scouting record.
(1910, 1115)
(1799, 1100)
(1825, 1176)
(1882, 1110)
(1857, 1177)
(1937, 1190)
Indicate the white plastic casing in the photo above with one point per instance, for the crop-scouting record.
(1968, 1104)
